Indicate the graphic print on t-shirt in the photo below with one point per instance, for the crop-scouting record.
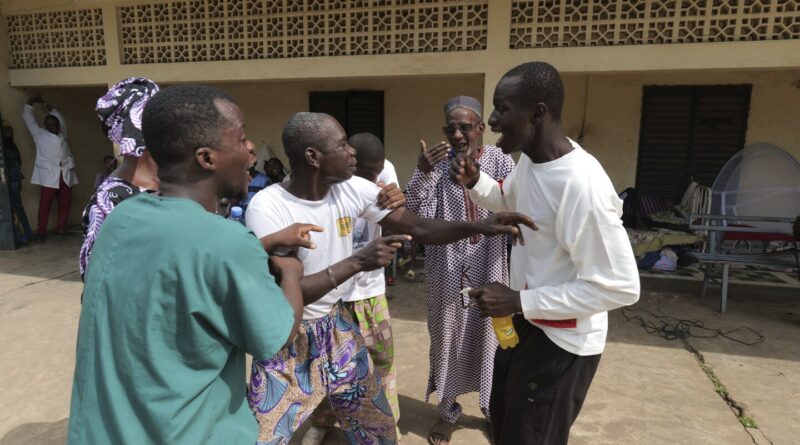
(361, 234)
(344, 225)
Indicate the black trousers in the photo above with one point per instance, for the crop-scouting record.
(537, 389)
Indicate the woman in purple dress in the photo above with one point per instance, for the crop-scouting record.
(120, 113)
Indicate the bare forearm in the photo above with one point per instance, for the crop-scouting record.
(428, 230)
(437, 231)
(270, 243)
(317, 285)
(293, 291)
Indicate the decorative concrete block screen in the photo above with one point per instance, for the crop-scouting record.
(208, 30)
(565, 23)
(56, 39)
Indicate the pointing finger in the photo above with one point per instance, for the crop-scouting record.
(305, 228)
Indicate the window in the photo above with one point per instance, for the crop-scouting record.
(357, 111)
(688, 133)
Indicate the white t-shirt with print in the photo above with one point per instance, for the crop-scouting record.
(274, 208)
(373, 283)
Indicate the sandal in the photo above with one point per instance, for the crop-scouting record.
(441, 432)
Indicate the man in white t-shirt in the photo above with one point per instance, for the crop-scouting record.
(388, 175)
(367, 303)
(328, 359)
(577, 266)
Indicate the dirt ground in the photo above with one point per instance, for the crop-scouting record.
(647, 390)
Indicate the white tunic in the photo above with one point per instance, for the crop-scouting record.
(579, 264)
(53, 157)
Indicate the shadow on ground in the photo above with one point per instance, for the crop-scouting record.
(37, 433)
(416, 419)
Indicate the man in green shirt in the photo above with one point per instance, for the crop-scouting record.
(176, 295)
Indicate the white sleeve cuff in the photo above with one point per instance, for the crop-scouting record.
(528, 299)
(484, 185)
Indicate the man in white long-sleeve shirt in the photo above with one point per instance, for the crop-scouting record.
(577, 266)
(54, 168)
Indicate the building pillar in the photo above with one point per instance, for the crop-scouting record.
(490, 79)
(112, 45)
(498, 35)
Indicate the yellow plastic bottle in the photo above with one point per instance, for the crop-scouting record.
(505, 332)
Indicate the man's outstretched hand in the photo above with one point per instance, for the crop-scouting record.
(380, 252)
(507, 223)
(464, 170)
(496, 300)
(390, 197)
(290, 238)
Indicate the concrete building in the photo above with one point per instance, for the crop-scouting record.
(659, 90)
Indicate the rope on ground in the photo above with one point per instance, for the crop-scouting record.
(671, 328)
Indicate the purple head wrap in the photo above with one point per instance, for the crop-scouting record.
(120, 113)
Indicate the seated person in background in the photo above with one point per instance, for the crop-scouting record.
(109, 165)
(176, 295)
(274, 169)
(258, 181)
(328, 358)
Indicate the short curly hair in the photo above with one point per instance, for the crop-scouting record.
(179, 120)
(539, 82)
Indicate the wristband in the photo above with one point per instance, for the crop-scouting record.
(331, 277)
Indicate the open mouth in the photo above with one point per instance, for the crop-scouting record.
(499, 142)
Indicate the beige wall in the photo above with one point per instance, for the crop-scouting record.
(413, 109)
(613, 110)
